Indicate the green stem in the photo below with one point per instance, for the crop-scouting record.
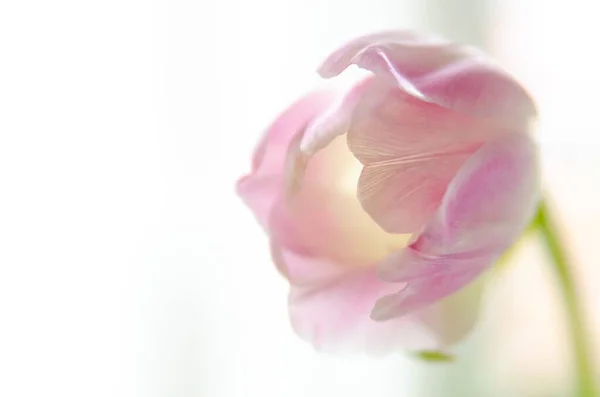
(586, 386)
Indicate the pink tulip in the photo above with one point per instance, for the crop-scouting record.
(385, 202)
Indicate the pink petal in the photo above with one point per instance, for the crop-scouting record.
(457, 77)
(335, 120)
(305, 222)
(352, 51)
(445, 276)
(411, 150)
(480, 90)
(484, 211)
(330, 306)
(402, 196)
(265, 184)
(301, 270)
(490, 201)
(260, 193)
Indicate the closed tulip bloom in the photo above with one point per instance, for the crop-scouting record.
(387, 201)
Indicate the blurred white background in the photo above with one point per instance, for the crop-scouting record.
(128, 267)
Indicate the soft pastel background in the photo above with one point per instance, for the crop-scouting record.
(129, 268)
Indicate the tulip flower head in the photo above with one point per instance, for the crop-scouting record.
(386, 202)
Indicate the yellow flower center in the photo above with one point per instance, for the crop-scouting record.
(359, 241)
